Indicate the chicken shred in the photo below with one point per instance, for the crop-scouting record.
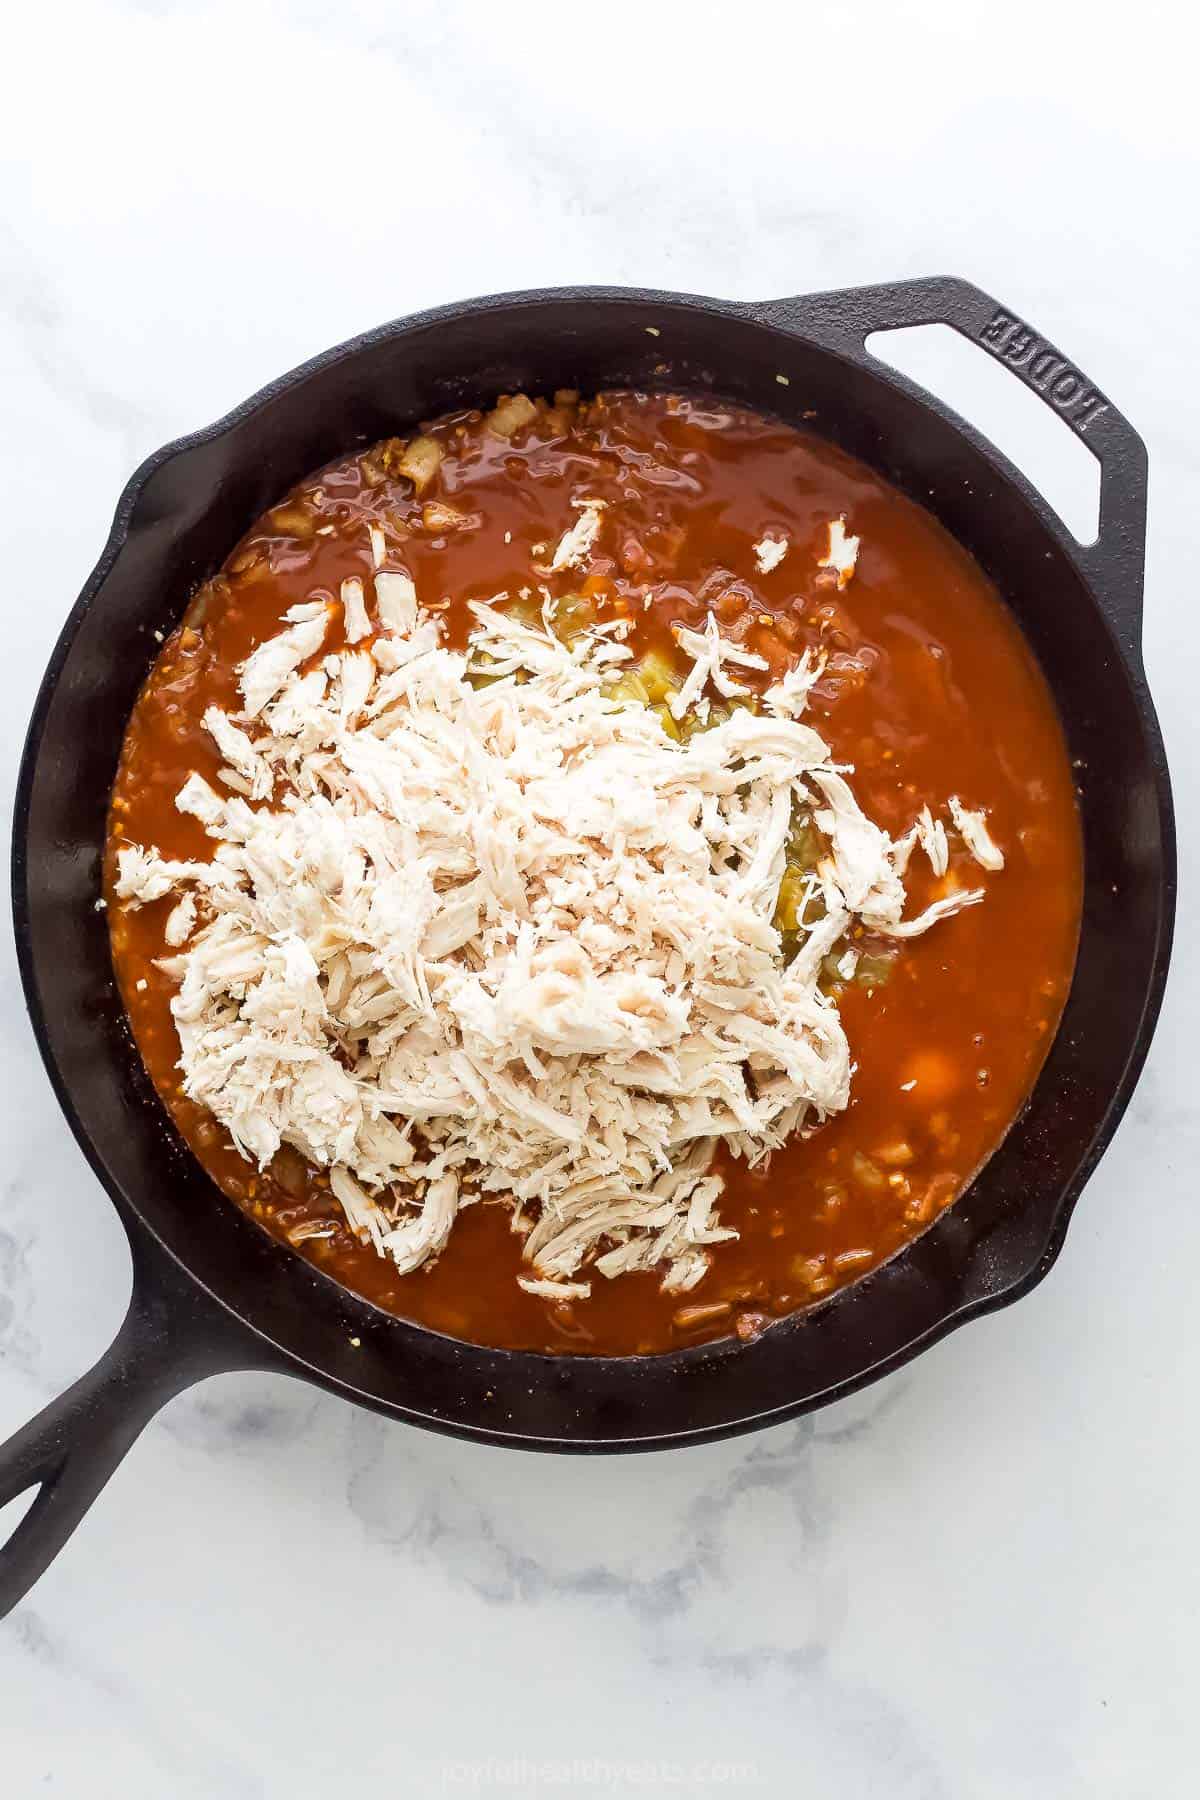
(575, 545)
(769, 552)
(513, 942)
(710, 653)
(972, 828)
(841, 557)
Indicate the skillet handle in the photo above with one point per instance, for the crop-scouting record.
(1114, 564)
(171, 1337)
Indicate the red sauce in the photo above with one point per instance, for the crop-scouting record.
(930, 689)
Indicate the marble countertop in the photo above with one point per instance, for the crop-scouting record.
(979, 1577)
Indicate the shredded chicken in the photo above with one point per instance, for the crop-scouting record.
(575, 545)
(396, 599)
(181, 921)
(512, 941)
(930, 834)
(266, 670)
(972, 828)
(842, 555)
(710, 653)
(555, 1290)
(354, 607)
(789, 695)
(769, 552)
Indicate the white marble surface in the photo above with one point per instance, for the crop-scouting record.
(978, 1579)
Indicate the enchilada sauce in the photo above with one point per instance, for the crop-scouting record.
(929, 690)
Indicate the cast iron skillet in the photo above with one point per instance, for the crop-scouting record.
(211, 1291)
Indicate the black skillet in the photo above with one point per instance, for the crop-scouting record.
(211, 1291)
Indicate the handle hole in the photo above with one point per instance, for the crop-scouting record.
(15, 1509)
(1059, 464)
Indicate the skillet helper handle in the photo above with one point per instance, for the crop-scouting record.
(171, 1337)
(1114, 564)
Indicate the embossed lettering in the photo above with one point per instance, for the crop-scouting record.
(1043, 366)
(1089, 407)
(1021, 343)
